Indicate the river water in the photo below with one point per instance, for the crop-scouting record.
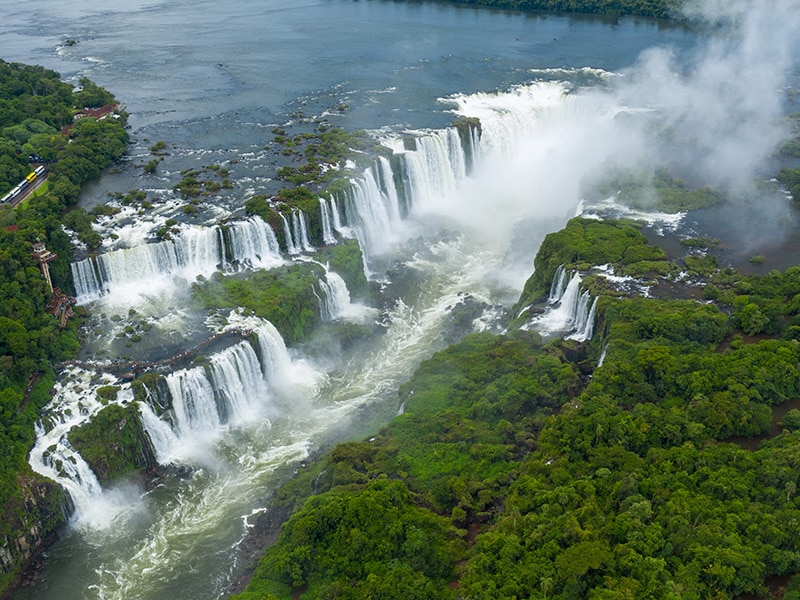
(212, 80)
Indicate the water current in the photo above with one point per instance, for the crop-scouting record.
(212, 80)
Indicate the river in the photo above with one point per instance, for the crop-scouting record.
(212, 80)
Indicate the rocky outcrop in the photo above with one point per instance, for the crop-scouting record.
(115, 444)
(30, 521)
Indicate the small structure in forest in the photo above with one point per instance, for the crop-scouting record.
(44, 256)
(60, 305)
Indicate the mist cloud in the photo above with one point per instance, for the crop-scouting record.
(719, 112)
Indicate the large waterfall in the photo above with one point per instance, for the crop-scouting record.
(249, 382)
(423, 169)
(440, 206)
(193, 251)
(253, 244)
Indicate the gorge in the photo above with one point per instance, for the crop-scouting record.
(447, 226)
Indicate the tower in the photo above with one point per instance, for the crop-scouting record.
(44, 256)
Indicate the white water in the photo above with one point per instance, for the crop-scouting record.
(335, 296)
(336, 303)
(239, 385)
(584, 319)
(253, 244)
(291, 246)
(160, 266)
(74, 403)
(237, 428)
(372, 213)
(558, 286)
(572, 310)
(300, 230)
(327, 222)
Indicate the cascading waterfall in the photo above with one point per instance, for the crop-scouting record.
(584, 318)
(237, 385)
(433, 168)
(253, 244)
(335, 215)
(300, 230)
(573, 309)
(327, 222)
(207, 397)
(194, 251)
(54, 457)
(291, 247)
(335, 300)
(558, 286)
(369, 216)
(374, 206)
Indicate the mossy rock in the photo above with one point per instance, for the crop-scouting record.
(114, 443)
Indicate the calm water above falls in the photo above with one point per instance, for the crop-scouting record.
(212, 79)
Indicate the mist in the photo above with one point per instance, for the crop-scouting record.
(718, 115)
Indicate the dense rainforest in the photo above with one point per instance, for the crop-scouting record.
(36, 125)
(523, 469)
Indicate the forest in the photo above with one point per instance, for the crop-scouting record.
(36, 120)
(523, 469)
(658, 460)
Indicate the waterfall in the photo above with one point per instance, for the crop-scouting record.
(60, 462)
(193, 251)
(335, 300)
(335, 216)
(300, 230)
(572, 310)
(291, 247)
(584, 319)
(327, 222)
(563, 314)
(474, 150)
(375, 202)
(236, 386)
(75, 403)
(602, 356)
(432, 169)
(253, 244)
(558, 286)
(205, 399)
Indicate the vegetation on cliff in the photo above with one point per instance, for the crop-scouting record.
(36, 120)
(114, 443)
(559, 478)
(285, 296)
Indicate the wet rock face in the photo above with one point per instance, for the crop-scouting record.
(30, 522)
